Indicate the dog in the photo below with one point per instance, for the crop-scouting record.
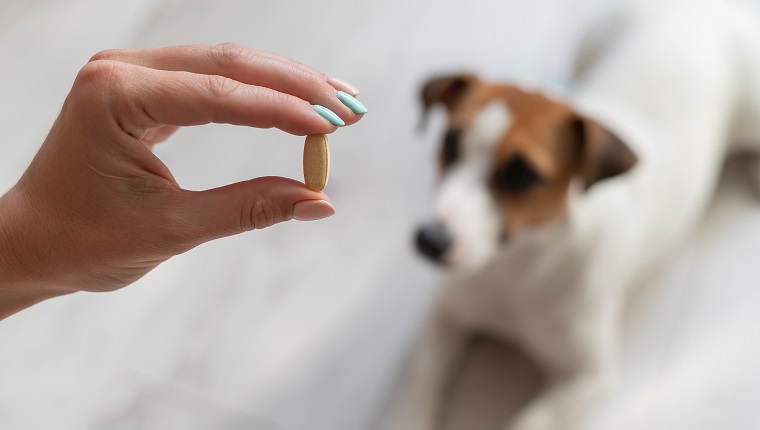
(547, 212)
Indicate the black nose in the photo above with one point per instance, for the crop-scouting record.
(433, 240)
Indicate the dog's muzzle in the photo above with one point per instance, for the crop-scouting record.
(433, 240)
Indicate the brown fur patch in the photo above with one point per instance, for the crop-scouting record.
(544, 133)
(536, 135)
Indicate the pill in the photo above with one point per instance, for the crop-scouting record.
(316, 162)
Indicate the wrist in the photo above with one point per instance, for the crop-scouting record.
(10, 273)
(20, 286)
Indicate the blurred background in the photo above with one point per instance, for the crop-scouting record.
(304, 325)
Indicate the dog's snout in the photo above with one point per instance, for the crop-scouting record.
(433, 240)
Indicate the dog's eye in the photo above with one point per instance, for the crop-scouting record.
(515, 176)
(451, 147)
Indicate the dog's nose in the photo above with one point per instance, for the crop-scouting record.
(433, 240)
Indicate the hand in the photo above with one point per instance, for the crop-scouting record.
(96, 209)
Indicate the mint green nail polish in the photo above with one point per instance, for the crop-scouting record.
(329, 115)
(351, 102)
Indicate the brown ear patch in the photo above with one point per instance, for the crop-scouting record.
(602, 154)
(446, 90)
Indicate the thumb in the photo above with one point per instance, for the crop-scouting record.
(253, 205)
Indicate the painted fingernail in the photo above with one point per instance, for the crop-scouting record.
(341, 85)
(352, 103)
(329, 115)
(312, 210)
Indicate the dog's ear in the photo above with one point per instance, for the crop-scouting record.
(446, 90)
(601, 154)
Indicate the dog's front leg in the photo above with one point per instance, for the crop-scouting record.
(562, 406)
(579, 360)
(429, 371)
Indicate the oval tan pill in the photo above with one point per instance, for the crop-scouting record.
(316, 162)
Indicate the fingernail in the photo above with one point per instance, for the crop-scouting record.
(311, 210)
(352, 103)
(341, 85)
(329, 115)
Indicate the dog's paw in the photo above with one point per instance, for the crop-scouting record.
(565, 409)
(535, 418)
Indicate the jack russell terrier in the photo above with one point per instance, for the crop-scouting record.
(547, 212)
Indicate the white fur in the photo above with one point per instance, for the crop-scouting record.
(680, 82)
(464, 204)
(489, 127)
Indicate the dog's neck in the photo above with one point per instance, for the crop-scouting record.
(528, 258)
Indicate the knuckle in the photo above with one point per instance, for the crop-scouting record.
(221, 86)
(276, 99)
(258, 214)
(100, 73)
(319, 87)
(98, 83)
(316, 80)
(312, 82)
(108, 54)
(278, 104)
(316, 74)
(220, 89)
(231, 53)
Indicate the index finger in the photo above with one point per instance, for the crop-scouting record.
(243, 65)
(141, 98)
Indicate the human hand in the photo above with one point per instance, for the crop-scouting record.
(96, 209)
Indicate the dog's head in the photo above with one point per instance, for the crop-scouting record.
(509, 161)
